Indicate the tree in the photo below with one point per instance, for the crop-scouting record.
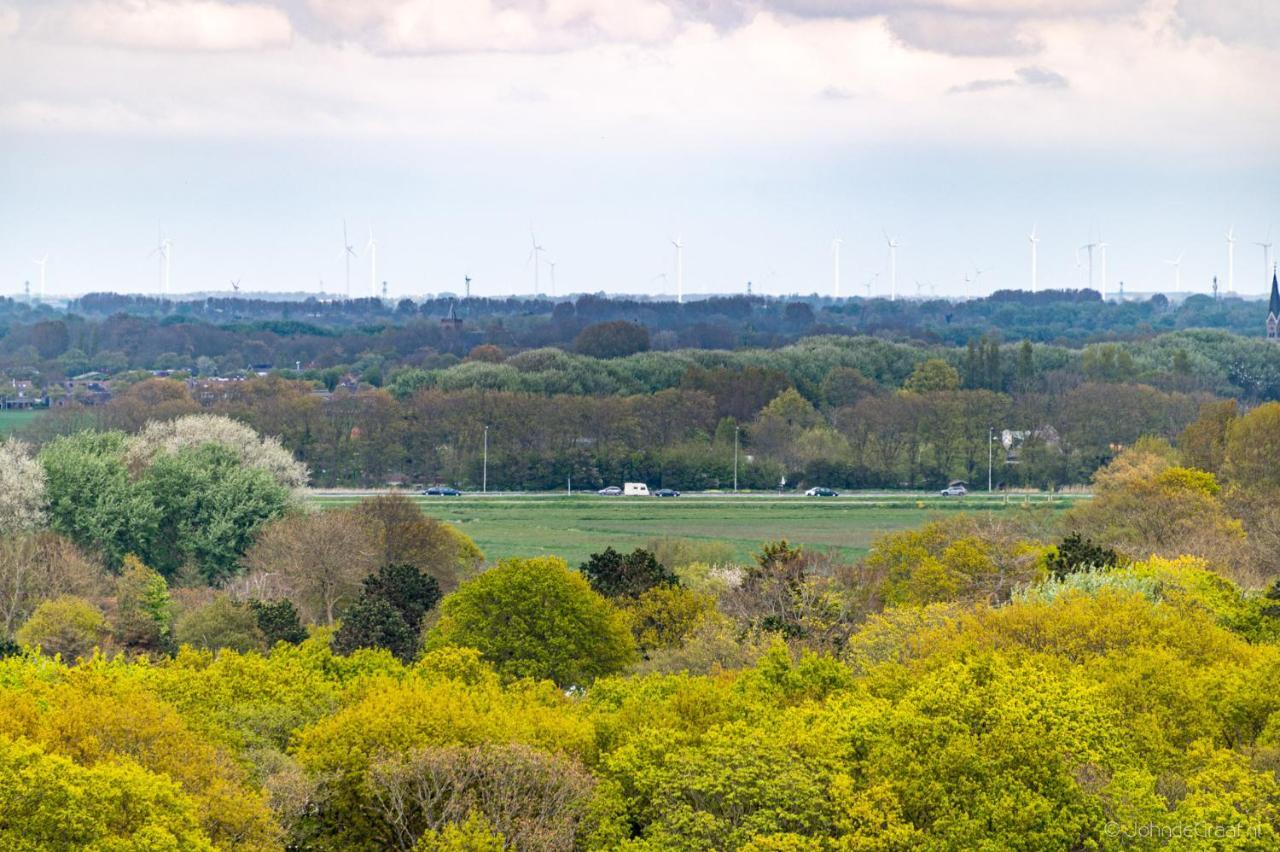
(144, 611)
(320, 557)
(221, 623)
(408, 537)
(51, 802)
(278, 621)
(210, 506)
(931, 375)
(615, 339)
(845, 386)
(67, 626)
(614, 575)
(1203, 443)
(536, 618)
(253, 450)
(410, 592)
(92, 499)
(372, 622)
(22, 489)
(1077, 553)
(37, 566)
(1251, 461)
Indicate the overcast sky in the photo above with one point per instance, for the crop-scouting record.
(758, 130)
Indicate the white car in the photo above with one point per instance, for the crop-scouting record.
(954, 491)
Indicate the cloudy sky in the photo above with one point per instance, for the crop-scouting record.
(758, 130)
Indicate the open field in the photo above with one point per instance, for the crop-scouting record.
(13, 420)
(574, 527)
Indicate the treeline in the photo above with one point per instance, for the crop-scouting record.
(1100, 678)
(110, 333)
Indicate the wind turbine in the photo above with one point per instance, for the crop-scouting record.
(893, 266)
(372, 248)
(42, 262)
(1266, 254)
(1177, 272)
(348, 252)
(835, 264)
(164, 248)
(235, 285)
(870, 282)
(1035, 243)
(535, 257)
(679, 244)
(466, 283)
(552, 265)
(1231, 259)
(1102, 250)
(1089, 247)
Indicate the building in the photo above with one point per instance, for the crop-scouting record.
(1273, 312)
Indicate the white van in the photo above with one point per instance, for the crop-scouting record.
(635, 489)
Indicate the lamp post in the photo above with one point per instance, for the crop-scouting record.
(735, 459)
(484, 472)
(991, 440)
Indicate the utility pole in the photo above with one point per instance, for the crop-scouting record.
(484, 474)
(991, 440)
(735, 459)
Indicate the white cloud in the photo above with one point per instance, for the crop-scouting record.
(171, 25)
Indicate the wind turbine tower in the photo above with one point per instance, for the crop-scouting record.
(348, 252)
(893, 266)
(551, 264)
(1265, 245)
(1035, 244)
(163, 250)
(1177, 272)
(1102, 251)
(1089, 247)
(678, 242)
(535, 257)
(1231, 259)
(42, 262)
(835, 265)
(372, 248)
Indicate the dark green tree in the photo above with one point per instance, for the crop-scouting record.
(372, 622)
(278, 621)
(412, 593)
(1077, 552)
(615, 576)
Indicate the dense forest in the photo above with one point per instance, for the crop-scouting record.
(192, 659)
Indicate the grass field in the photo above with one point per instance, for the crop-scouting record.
(13, 420)
(574, 527)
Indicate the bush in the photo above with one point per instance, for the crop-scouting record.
(536, 618)
(67, 626)
(614, 575)
(372, 622)
(221, 623)
(278, 621)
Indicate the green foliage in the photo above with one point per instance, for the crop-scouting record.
(48, 802)
(278, 620)
(1076, 553)
(614, 575)
(410, 592)
(66, 626)
(615, 339)
(932, 375)
(374, 622)
(536, 618)
(144, 611)
(221, 623)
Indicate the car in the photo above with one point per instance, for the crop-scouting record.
(821, 492)
(954, 491)
(442, 491)
(611, 491)
(666, 492)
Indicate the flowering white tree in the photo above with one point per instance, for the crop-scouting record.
(22, 489)
(196, 430)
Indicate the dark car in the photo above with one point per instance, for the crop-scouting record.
(666, 492)
(442, 491)
(822, 492)
(610, 491)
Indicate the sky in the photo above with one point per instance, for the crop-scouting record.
(755, 131)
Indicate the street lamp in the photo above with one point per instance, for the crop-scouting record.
(484, 472)
(735, 459)
(991, 442)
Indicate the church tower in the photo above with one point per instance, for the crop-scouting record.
(1273, 313)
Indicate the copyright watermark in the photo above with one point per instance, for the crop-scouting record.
(1184, 830)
